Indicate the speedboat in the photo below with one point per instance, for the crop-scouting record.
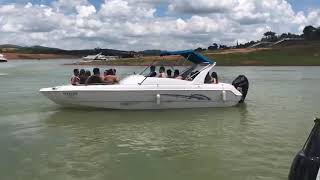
(2, 58)
(99, 57)
(138, 91)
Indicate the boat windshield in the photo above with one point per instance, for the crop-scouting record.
(198, 62)
(185, 72)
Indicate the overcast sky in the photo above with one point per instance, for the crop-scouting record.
(149, 24)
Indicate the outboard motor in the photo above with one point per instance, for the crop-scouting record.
(241, 83)
(305, 165)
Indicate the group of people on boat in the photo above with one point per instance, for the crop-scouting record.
(210, 79)
(163, 73)
(84, 77)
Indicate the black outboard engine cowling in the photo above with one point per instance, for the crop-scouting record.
(305, 165)
(242, 84)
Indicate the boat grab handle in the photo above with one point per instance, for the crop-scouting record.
(143, 80)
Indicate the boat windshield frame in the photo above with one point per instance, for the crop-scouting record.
(185, 74)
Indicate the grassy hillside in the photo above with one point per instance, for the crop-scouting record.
(307, 55)
(9, 48)
(301, 55)
(298, 53)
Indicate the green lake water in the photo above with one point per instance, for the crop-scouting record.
(253, 141)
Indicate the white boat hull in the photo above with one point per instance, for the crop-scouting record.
(2, 58)
(152, 97)
(140, 92)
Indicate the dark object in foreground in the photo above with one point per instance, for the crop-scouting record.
(241, 83)
(306, 164)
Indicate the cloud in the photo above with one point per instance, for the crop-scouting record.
(85, 11)
(202, 6)
(313, 18)
(29, 18)
(68, 5)
(134, 25)
(122, 10)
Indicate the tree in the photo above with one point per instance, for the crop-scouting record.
(270, 36)
(309, 32)
(318, 33)
(213, 47)
(223, 46)
(284, 35)
(97, 49)
(199, 49)
(288, 35)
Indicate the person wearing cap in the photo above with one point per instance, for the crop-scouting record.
(152, 71)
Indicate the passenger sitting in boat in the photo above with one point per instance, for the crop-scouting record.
(162, 73)
(110, 77)
(75, 80)
(87, 75)
(214, 77)
(95, 78)
(208, 79)
(152, 72)
(105, 74)
(169, 73)
(82, 76)
(176, 74)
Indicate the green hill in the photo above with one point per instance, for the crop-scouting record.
(297, 55)
(10, 46)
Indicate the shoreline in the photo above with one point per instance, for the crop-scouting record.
(36, 56)
(308, 55)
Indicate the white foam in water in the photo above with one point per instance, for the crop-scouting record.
(3, 74)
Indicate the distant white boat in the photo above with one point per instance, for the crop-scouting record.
(2, 58)
(99, 57)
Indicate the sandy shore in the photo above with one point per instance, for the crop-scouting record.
(13, 56)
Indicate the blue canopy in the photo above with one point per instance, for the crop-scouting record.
(191, 55)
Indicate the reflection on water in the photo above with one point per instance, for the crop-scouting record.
(112, 138)
(144, 130)
(255, 140)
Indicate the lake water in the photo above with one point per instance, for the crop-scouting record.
(253, 141)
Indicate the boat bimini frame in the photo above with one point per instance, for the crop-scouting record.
(196, 58)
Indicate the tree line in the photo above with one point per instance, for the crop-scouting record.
(310, 33)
